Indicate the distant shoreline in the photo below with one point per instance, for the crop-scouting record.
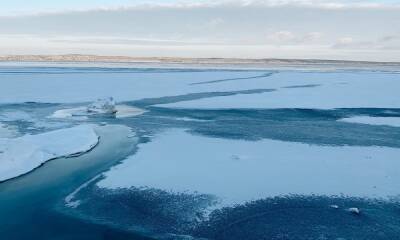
(206, 62)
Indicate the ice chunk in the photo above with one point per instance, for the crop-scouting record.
(23, 154)
(103, 106)
(354, 210)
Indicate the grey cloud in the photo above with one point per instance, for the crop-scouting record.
(257, 30)
(390, 42)
(235, 24)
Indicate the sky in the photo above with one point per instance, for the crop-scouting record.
(324, 29)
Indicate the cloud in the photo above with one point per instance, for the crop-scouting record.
(293, 29)
(281, 37)
(57, 7)
(312, 36)
(215, 22)
(345, 41)
(391, 42)
(124, 41)
(289, 38)
(390, 38)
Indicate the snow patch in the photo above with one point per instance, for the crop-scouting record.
(21, 155)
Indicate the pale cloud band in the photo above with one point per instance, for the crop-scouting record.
(359, 30)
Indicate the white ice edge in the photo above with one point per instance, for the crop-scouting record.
(21, 155)
(70, 200)
(386, 121)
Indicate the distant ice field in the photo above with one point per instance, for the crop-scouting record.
(271, 89)
(310, 90)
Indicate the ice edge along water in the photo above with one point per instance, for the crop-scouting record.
(387, 121)
(21, 155)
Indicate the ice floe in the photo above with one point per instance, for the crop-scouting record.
(237, 171)
(78, 113)
(388, 121)
(23, 154)
(123, 111)
(103, 107)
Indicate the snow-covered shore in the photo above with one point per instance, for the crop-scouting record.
(21, 155)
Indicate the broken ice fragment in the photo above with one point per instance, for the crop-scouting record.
(102, 106)
(354, 210)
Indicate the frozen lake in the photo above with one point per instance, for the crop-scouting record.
(199, 153)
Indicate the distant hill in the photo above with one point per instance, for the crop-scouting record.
(269, 62)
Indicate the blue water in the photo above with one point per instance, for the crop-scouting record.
(33, 207)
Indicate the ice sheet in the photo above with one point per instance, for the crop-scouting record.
(238, 171)
(310, 90)
(23, 154)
